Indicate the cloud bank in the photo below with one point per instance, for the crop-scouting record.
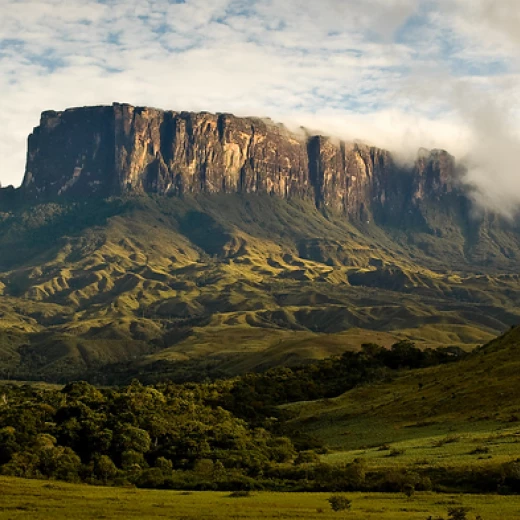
(399, 74)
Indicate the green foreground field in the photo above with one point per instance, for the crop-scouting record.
(23, 499)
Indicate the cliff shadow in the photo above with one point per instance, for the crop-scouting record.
(205, 232)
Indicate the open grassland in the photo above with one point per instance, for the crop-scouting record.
(472, 447)
(42, 500)
(276, 344)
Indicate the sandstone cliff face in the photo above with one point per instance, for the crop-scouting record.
(435, 174)
(119, 149)
(191, 153)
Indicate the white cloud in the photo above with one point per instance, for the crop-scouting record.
(489, 24)
(385, 71)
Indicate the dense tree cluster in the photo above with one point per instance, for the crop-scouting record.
(137, 434)
(329, 377)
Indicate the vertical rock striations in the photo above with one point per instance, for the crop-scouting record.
(169, 152)
(119, 149)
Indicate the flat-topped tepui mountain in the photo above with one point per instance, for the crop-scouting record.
(124, 149)
(143, 240)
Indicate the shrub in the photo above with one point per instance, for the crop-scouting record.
(132, 460)
(409, 490)
(152, 478)
(165, 465)
(105, 469)
(449, 439)
(395, 452)
(339, 503)
(204, 467)
(425, 484)
(457, 513)
(307, 457)
(480, 450)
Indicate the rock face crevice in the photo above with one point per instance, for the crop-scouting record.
(113, 150)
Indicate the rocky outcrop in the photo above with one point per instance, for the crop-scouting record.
(119, 149)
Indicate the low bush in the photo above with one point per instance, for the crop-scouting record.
(339, 503)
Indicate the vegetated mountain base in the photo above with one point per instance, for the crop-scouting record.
(216, 285)
(226, 434)
(392, 427)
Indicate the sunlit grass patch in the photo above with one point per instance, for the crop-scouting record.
(41, 500)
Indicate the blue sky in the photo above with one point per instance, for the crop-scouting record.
(396, 73)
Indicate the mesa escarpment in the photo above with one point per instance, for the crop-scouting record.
(113, 150)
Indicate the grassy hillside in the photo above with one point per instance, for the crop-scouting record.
(246, 281)
(463, 415)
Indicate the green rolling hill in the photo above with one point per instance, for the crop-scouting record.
(240, 282)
